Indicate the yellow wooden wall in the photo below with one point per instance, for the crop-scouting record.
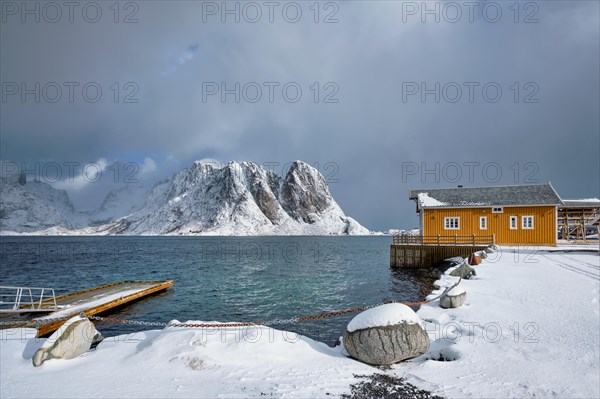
(543, 233)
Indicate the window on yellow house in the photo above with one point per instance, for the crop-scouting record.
(452, 223)
(527, 222)
(483, 222)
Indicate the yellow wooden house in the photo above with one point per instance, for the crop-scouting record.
(514, 214)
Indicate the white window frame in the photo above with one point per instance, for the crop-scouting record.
(483, 226)
(497, 209)
(449, 225)
(524, 225)
(516, 223)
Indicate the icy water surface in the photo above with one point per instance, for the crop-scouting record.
(220, 278)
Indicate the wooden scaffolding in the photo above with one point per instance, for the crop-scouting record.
(576, 217)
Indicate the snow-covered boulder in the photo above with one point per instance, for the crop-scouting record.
(386, 335)
(72, 339)
(453, 298)
(491, 249)
(464, 271)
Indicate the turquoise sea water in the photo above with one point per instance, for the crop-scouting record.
(220, 278)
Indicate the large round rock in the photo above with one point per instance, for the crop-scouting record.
(72, 339)
(464, 271)
(386, 335)
(454, 298)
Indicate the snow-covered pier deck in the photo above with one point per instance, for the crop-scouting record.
(93, 301)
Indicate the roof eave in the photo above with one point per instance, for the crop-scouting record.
(555, 193)
(486, 206)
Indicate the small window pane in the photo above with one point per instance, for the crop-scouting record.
(527, 222)
(452, 223)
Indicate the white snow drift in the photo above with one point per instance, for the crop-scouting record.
(530, 328)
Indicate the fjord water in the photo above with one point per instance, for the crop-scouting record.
(225, 279)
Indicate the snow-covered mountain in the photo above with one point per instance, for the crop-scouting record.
(118, 203)
(236, 199)
(240, 199)
(34, 206)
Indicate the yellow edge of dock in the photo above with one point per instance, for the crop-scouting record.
(153, 286)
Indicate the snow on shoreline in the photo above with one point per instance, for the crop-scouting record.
(56, 232)
(176, 362)
(529, 327)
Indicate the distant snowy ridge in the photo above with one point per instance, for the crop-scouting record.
(34, 206)
(118, 203)
(235, 199)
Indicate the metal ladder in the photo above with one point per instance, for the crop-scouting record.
(27, 299)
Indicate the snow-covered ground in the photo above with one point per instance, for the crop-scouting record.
(530, 327)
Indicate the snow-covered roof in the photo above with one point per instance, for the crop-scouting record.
(513, 195)
(425, 200)
(582, 203)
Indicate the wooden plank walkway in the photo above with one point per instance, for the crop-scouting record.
(424, 256)
(424, 251)
(95, 300)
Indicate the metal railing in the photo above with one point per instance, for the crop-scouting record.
(27, 299)
(475, 240)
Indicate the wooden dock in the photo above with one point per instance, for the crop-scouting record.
(93, 301)
(424, 251)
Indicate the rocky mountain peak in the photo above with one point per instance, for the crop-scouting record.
(304, 193)
(206, 198)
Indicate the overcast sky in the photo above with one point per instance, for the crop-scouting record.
(363, 116)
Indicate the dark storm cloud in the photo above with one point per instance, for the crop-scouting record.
(175, 53)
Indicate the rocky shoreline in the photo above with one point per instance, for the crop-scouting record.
(383, 386)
